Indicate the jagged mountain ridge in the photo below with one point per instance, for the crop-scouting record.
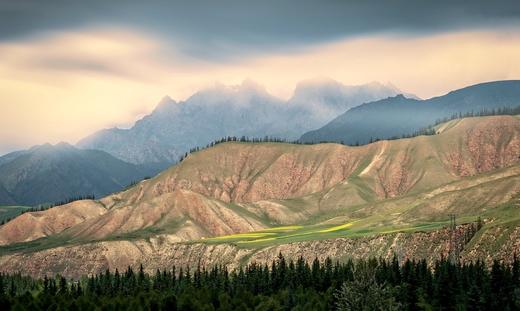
(245, 110)
(399, 115)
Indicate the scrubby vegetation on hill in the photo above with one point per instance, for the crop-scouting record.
(362, 285)
(503, 111)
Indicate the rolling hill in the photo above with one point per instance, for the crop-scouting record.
(241, 202)
(397, 116)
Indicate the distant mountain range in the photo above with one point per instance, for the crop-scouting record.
(244, 110)
(47, 174)
(111, 159)
(398, 115)
(5, 197)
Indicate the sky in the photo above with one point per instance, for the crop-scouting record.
(70, 68)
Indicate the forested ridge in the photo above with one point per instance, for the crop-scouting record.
(361, 285)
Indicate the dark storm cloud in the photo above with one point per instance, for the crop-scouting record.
(213, 29)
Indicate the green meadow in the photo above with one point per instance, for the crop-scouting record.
(289, 234)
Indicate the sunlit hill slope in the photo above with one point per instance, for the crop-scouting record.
(289, 193)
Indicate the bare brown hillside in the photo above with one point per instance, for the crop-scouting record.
(241, 187)
(31, 226)
(241, 172)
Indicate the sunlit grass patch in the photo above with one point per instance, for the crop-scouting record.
(249, 235)
(337, 228)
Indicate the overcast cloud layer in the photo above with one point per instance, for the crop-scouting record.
(69, 68)
(226, 28)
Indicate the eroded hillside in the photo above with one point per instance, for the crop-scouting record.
(327, 191)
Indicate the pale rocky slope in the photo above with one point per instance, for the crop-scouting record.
(160, 253)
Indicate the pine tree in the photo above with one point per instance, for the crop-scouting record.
(365, 293)
(1, 284)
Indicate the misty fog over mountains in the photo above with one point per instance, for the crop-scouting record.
(245, 110)
(319, 110)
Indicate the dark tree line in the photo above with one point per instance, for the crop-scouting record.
(429, 130)
(283, 285)
(135, 182)
(70, 200)
(482, 113)
(242, 139)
